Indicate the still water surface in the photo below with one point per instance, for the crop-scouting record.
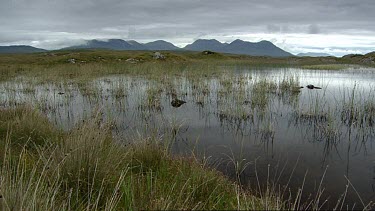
(292, 137)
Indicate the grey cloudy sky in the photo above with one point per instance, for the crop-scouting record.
(332, 26)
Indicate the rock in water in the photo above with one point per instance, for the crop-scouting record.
(310, 86)
(177, 103)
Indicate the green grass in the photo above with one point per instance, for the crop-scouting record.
(86, 168)
(26, 128)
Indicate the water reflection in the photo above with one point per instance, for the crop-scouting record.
(242, 116)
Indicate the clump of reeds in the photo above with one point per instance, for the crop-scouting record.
(153, 98)
(267, 130)
(289, 84)
(260, 93)
(359, 114)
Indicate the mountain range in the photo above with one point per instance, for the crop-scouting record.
(262, 48)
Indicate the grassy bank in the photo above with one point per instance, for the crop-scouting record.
(43, 168)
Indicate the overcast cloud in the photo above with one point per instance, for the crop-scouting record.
(331, 26)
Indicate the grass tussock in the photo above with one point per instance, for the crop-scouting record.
(87, 169)
(27, 128)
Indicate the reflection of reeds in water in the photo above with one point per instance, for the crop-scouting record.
(329, 131)
(153, 98)
(267, 130)
(309, 117)
(235, 115)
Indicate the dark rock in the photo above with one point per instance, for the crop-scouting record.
(177, 103)
(310, 86)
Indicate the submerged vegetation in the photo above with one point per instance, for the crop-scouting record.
(100, 132)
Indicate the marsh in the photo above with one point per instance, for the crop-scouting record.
(295, 139)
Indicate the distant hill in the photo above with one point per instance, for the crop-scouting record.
(161, 45)
(20, 49)
(368, 58)
(311, 54)
(349, 56)
(262, 48)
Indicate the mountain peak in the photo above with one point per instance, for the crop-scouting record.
(266, 42)
(237, 41)
(207, 40)
(205, 44)
(161, 45)
(132, 42)
(136, 45)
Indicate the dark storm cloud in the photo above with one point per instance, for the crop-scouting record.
(57, 20)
